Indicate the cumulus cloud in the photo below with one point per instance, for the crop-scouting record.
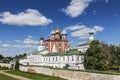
(17, 41)
(30, 17)
(76, 7)
(5, 45)
(81, 31)
(30, 40)
(98, 28)
(24, 46)
(18, 46)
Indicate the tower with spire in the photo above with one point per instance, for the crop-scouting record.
(91, 36)
(41, 46)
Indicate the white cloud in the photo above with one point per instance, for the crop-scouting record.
(76, 7)
(24, 46)
(75, 27)
(5, 45)
(17, 41)
(18, 46)
(82, 31)
(30, 40)
(98, 28)
(30, 17)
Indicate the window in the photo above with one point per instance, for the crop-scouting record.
(82, 58)
(68, 58)
(56, 58)
(49, 58)
(72, 58)
(77, 58)
(53, 58)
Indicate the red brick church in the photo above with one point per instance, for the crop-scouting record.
(57, 41)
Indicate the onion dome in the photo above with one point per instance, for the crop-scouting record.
(57, 31)
(41, 38)
(52, 32)
(92, 32)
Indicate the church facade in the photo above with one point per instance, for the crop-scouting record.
(57, 41)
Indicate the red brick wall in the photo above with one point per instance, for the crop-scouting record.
(61, 45)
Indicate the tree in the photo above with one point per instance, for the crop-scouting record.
(17, 65)
(66, 66)
(94, 57)
(1, 57)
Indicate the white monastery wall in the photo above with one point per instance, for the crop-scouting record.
(70, 75)
(5, 65)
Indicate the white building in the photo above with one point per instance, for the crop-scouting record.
(42, 57)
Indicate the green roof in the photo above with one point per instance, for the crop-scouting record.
(86, 43)
(64, 53)
(36, 52)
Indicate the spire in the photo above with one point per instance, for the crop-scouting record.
(41, 46)
(91, 36)
(41, 40)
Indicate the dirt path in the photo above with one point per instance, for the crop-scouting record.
(15, 76)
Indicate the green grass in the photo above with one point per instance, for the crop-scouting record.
(4, 77)
(34, 76)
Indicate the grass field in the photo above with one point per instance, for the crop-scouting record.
(34, 76)
(4, 77)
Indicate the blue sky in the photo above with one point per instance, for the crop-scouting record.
(22, 22)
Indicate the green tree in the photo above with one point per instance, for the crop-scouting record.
(1, 57)
(17, 65)
(94, 57)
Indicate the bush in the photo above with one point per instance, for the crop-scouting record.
(66, 66)
(17, 65)
(4, 68)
